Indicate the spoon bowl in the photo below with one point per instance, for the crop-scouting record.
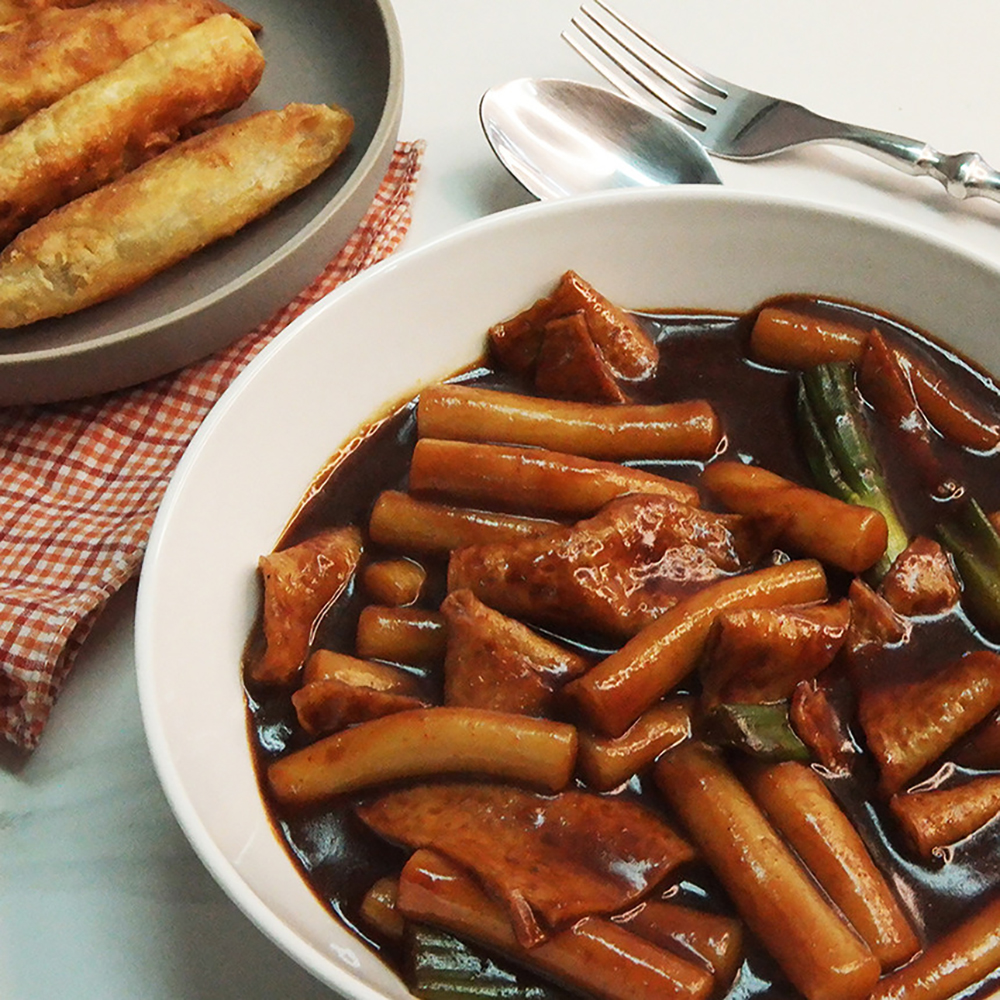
(560, 137)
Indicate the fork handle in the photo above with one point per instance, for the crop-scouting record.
(964, 175)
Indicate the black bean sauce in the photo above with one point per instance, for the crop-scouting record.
(702, 356)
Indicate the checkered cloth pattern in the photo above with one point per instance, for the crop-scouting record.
(80, 482)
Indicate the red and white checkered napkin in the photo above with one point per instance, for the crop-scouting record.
(80, 482)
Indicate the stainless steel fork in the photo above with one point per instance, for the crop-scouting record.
(740, 124)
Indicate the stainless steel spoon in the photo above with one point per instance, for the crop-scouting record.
(560, 137)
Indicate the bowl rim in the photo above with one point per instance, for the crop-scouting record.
(230, 879)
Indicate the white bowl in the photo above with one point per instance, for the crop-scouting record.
(413, 319)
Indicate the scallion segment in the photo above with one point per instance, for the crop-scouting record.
(970, 537)
(840, 451)
(762, 731)
(443, 967)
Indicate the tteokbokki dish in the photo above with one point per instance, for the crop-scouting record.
(654, 655)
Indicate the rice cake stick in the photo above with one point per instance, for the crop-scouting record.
(802, 809)
(122, 118)
(45, 57)
(818, 952)
(532, 480)
(200, 191)
(614, 693)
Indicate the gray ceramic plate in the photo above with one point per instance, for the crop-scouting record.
(335, 51)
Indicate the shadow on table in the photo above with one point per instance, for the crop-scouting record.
(490, 189)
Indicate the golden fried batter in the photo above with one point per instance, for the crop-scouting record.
(51, 53)
(12, 11)
(201, 190)
(122, 118)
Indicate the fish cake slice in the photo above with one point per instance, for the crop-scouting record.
(197, 192)
(48, 55)
(122, 118)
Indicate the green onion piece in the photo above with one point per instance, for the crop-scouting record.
(762, 731)
(819, 455)
(840, 450)
(969, 535)
(442, 967)
(836, 403)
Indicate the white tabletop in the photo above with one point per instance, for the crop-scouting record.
(100, 895)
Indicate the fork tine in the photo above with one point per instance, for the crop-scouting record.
(702, 78)
(624, 77)
(608, 49)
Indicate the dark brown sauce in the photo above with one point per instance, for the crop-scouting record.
(703, 356)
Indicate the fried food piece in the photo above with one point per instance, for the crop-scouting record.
(300, 582)
(613, 573)
(551, 860)
(934, 819)
(874, 622)
(885, 383)
(496, 662)
(980, 750)
(12, 11)
(47, 56)
(628, 350)
(122, 118)
(202, 190)
(758, 655)
(326, 706)
(816, 721)
(956, 417)
(909, 725)
(571, 367)
(921, 580)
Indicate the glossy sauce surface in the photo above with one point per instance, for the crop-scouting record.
(702, 356)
